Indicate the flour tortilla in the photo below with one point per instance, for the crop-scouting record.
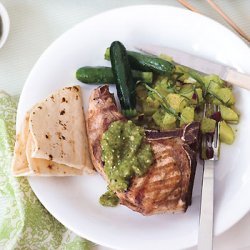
(45, 167)
(20, 164)
(53, 140)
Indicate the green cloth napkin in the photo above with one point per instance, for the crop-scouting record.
(24, 222)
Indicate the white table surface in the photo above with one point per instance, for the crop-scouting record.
(35, 24)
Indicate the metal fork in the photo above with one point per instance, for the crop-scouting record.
(210, 145)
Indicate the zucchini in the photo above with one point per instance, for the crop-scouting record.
(144, 62)
(122, 73)
(105, 75)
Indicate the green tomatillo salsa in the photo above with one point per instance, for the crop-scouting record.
(126, 154)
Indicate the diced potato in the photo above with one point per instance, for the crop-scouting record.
(207, 125)
(187, 91)
(226, 95)
(183, 70)
(200, 96)
(226, 133)
(189, 80)
(168, 119)
(148, 109)
(194, 95)
(164, 120)
(162, 85)
(177, 102)
(187, 115)
(228, 114)
(154, 103)
(213, 78)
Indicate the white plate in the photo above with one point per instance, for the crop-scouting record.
(74, 201)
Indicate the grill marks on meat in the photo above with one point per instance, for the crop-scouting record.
(167, 186)
(101, 113)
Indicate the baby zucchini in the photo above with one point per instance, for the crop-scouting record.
(143, 62)
(105, 75)
(122, 73)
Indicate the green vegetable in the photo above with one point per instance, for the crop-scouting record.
(144, 62)
(162, 86)
(213, 83)
(228, 114)
(207, 125)
(125, 84)
(147, 108)
(164, 120)
(176, 102)
(212, 87)
(226, 133)
(184, 74)
(125, 153)
(169, 120)
(141, 92)
(187, 91)
(167, 96)
(187, 115)
(199, 81)
(149, 105)
(162, 101)
(193, 94)
(224, 96)
(152, 102)
(199, 94)
(105, 75)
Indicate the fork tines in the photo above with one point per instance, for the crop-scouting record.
(210, 142)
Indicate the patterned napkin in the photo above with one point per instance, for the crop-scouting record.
(24, 222)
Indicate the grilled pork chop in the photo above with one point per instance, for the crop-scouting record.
(168, 184)
(101, 113)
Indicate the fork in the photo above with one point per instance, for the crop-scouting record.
(209, 154)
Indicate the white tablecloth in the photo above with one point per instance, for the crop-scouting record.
(35, 24)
